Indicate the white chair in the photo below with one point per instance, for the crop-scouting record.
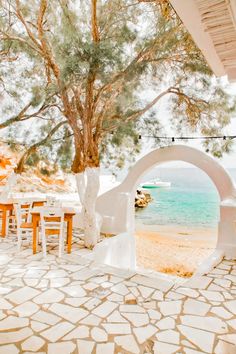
(23, 220)
(52, 223)
(50, 201)
(11, 226)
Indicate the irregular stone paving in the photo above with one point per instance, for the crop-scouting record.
(71, 305)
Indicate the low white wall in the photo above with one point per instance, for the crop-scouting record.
(227, 228)
(117, 251)
(210, 262)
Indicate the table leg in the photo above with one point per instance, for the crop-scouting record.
(35, 224)
(4, 222)
(69, 235)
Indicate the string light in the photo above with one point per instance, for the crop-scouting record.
(172, 138)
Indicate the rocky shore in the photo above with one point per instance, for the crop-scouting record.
(142, 198)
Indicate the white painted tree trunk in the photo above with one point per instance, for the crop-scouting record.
(11, 182)
(88, 192)
(81, 186)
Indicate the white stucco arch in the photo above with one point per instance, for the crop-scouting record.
(117, 205)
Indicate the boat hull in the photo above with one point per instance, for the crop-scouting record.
(158, 185)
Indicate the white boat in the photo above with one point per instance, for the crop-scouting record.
(157, 183)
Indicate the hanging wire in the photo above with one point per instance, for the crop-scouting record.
(172, 138)
(10, 142)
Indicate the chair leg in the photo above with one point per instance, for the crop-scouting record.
(39, 237)
(19, 240)
(61, 244)
(12, 224)
(44, 247)
(7, 223)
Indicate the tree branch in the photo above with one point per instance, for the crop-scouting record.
(29, 32)
(7, 37)
(89, 94)
(51, 64)
(78, 103)
(189, 99)
(95, 33)
(140, 112)
(22, 116)
(47, 54)
(20, 166)
(121, 75)
(16, 118)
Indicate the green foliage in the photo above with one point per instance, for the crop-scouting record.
(65, 152)
(142, 51)
(45, 172)
(37, 95)
(121, 147)
(218, 147)
(33, 159)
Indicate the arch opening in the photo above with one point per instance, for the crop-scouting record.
(177, 230)
(197, 158)
(116, 206)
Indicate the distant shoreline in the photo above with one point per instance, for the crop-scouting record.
(173, 227)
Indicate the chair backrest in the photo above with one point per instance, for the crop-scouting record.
(22, 211)
(51, 201)
(52, 219)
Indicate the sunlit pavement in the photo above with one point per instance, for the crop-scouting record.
(71, 305)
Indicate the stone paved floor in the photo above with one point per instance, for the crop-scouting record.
(70, 305)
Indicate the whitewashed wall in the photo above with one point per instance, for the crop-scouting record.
(117, 205)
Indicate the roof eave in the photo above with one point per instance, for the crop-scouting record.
(191, 18)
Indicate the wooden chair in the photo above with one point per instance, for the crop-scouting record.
(10, 221)
(52, 223)
(23, 220)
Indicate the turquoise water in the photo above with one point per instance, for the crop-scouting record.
(192, 199)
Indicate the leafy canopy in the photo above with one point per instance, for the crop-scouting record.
(104, 72)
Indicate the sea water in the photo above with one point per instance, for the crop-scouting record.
(192, 200)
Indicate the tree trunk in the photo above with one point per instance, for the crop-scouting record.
(11, 182)
(88, 193)
(81, 186)
(91, 227)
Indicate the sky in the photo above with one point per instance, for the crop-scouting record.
(228, 160)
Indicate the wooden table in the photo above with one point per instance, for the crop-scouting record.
(8, 206)
(68, 217)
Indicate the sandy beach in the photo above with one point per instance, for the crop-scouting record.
(176, 250)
